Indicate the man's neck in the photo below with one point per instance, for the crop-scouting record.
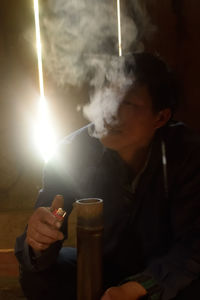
(135, 157)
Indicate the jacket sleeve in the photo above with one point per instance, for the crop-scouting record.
(54, 183)
(181, 265)
(167, 275)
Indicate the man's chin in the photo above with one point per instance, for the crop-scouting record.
(110, 140)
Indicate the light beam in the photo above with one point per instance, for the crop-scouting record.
(119, 28)
(39, 47)
(45, 138)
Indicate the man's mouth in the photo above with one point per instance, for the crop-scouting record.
(113, 129)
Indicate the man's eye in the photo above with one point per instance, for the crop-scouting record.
(130, 103)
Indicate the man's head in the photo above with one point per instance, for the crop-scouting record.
(151, 71)
(148, 105)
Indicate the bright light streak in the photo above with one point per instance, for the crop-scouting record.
(45, 138)
(119, 28)
(44, 134)
(39, 47)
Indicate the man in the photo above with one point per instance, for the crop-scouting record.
(146, 169)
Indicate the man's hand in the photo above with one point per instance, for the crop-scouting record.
(43, 227)
(131, 290)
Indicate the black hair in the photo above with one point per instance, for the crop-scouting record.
(152, 71)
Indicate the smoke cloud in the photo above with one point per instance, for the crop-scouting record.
(81, 46)
(109, 90)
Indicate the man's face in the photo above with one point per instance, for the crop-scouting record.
(136, 122)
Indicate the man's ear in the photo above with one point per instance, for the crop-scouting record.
(163, 117)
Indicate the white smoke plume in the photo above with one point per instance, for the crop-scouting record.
(108, 93)
(81, 46)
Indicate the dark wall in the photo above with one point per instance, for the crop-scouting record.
(178, 40)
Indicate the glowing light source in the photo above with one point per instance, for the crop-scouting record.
(45, 137)
(119, 28)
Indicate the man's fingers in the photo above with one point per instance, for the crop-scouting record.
(58, 202)
(129, 291)
(49, 232)
(43, 226)
(113, 293)
(39, 234)
(36, 245)
(42, 231)
(44, 215)
(106, 297)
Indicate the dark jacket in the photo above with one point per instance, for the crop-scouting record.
(156, 228)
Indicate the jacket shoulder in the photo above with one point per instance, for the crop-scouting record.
(182, 149)
(180, 138)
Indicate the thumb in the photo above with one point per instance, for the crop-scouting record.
(58, 202)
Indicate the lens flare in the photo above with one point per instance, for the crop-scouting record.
(44, 134)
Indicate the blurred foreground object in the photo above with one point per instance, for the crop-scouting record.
(89, 247)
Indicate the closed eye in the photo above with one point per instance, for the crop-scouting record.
(126, 102)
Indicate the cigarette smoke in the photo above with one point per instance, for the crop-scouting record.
(81, 46)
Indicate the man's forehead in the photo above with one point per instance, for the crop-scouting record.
(138, 90)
